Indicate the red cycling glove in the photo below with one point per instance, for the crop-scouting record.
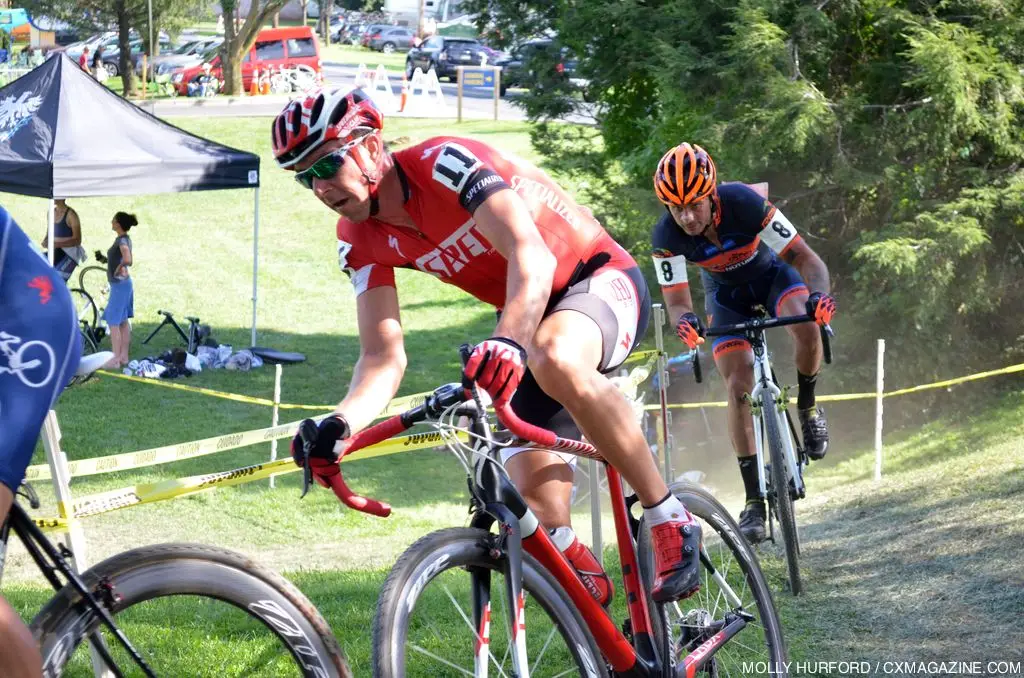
(497, 365)
(822, 307)
(689, 330)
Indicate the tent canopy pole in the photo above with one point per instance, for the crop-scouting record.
(49, 231)
(255, 256)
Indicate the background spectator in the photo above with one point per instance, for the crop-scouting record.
(121, 304)
(67, 239)
(99, 71)
(83, 60)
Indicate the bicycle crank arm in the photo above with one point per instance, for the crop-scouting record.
(705, 651)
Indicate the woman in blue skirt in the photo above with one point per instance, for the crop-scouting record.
(121, 304)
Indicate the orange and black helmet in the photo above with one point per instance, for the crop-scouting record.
(685, 175)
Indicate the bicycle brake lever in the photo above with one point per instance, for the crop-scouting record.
(308, 432)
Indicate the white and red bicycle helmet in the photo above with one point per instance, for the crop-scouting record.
(321, 115)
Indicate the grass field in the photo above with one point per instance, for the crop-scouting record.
(893, 570)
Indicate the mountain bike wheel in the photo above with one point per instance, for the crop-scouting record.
(780, 492)
(423, 625)
(690, 622)
(192, 610)
(85, 307)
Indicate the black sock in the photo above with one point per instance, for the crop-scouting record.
(659, 502)
(748, 470)
(805, 390)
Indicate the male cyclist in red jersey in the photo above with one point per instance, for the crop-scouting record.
(749, 255)
(573, 303)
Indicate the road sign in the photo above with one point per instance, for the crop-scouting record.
(480, 77)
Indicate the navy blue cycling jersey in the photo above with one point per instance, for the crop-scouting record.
(753, 233)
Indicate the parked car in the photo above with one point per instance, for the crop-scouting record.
(444, 55)
(336, 27)
(188, 54)
(536, 63)
(364, 38)
(111, 56)
(393, 39)
(274, 47)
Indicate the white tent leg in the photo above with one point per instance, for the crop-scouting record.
(49, 231)
(255, 256)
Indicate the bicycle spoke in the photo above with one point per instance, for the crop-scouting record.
(442, 660)
(476, 633)
(543, 649)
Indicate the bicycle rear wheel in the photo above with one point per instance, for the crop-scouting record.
(192, 610)
(424, 622)
(780, 492)
(690, 622)
(93, 279)
(85, 307)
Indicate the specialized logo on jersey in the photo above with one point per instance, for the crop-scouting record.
(455, 252)
(535, 193)
(454, 165)
(393, 244)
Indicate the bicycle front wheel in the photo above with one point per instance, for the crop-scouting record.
(780, 491)
(737, 583)
(439, 614)
(93, 279)
(190, 610)
(85, 307)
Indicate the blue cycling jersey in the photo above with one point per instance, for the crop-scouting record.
(752, 231)
(40, 346)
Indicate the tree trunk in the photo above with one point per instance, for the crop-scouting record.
(123, 40)
(231, 53)
(277, 20)
(305, 12)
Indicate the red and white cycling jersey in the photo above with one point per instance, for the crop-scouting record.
(445, 179)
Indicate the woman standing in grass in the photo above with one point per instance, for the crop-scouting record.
(121, 305)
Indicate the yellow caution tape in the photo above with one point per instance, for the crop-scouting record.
(54, 524)
(148, 493)
(166, 454)
(863, 396)
(393, 406)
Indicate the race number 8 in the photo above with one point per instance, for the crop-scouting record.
(453, 166)
(670, 270)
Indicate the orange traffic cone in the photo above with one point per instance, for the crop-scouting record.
(265, 83)
(405, 94)
(254, 87)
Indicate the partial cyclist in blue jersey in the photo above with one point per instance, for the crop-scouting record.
(750, 255)
(39, 351)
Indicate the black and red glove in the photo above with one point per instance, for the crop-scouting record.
(821, 307)
(497, 365)
(329, 432)
(690, 330)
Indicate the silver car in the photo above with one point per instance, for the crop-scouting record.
(184, 56)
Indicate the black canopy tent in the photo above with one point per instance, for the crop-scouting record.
(62, 134)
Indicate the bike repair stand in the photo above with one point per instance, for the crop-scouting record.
(191, 339)
(60, 473)
(664, 418)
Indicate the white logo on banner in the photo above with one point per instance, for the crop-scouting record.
(15, 112)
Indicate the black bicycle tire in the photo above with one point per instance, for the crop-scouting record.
(101, 273)
(780, 491)
(91, 317)
(702, 504)
(89, 345)
(189, 569)
(394, 604)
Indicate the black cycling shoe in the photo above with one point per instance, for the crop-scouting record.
(752, 520)
(815, 430)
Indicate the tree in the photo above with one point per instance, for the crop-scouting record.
(124, 15)
(238, 40)
(890, 133)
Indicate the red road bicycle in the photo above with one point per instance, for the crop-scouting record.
(436, 615)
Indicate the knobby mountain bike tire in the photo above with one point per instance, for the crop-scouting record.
(762, 640)
(268, 625)
(781, 492)
(447, 559)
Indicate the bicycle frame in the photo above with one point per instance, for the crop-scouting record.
(50, 561)
(764, 381)
(496, 500)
